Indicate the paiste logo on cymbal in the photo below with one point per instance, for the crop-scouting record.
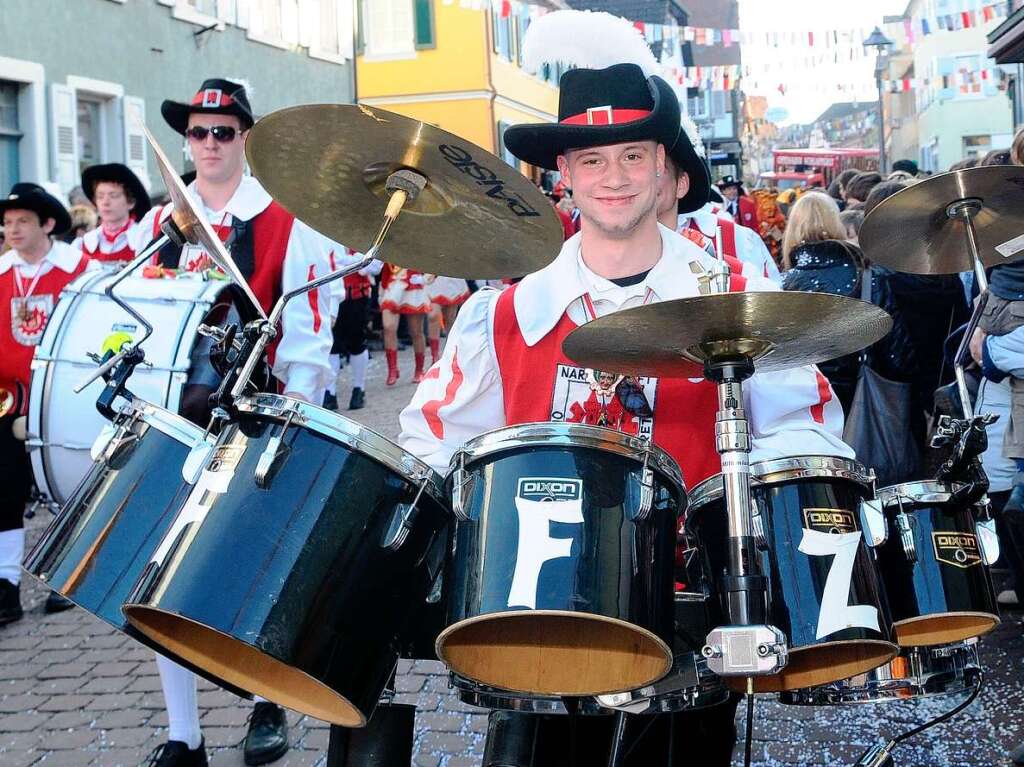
(832, 521)
(957, 549)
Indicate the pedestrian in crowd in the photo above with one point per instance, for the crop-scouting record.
(817, 257)
(852, 221)
(843, 179)
(83, 219)
(881, 192)
(859, 187)
(900, 176)
(276, 254)
(737, 203)
(402, 293)
(121, 201)
(77, 196)
(965, 164)
(350, 330)
(446, 295)
(906, 166)
(32, 274)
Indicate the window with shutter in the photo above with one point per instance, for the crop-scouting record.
(64, 113)
(388, 27)
(10, 136)
(134, 116)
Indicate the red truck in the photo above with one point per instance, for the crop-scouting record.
(808, 168)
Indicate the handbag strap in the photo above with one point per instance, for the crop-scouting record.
(865, 284)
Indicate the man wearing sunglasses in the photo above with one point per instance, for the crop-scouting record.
(275, 253)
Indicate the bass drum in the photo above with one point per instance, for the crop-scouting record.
(63, 425)
(915, 673)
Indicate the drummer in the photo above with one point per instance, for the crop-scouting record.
(275, 253)
(503, 362)
(121, 201)
(32, 274)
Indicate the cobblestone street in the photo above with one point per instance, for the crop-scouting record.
(74, 693)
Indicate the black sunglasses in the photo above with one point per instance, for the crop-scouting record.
(222, 133)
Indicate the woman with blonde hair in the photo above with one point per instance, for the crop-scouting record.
(814, 218)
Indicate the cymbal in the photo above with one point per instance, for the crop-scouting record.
(477, 217)
(777, 329)
(911, 231)
(195, 228)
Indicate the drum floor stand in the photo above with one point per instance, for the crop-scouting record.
(881, 755)
(745, 588)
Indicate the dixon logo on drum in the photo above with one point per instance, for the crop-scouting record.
(834, 521)
(957, 549)
(546, 489)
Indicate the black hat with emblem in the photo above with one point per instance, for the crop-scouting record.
(215, 96)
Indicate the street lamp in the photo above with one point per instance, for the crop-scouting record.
(878, 40)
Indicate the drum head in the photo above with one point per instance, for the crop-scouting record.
(552, 652)
(931, 630)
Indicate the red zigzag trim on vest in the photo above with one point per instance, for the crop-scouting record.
(431, 408)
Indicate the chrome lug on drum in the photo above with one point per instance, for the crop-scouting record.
(752, 650)
(561, 583)
(825, 595)
(312, 582)
(933, 566)
(916, 672)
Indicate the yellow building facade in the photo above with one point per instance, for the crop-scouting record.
(455, 67)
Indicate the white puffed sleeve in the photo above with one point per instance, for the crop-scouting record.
(461, 396)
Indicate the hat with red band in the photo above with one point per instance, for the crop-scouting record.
(596, 107)
(215, 96)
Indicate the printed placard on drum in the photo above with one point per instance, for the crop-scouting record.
(539, 502)
(603, 398)
(957, 549)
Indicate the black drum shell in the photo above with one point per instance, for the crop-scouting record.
(796, 580)
(930, 586)
(98, 544)
(619, 567)
(298, 570)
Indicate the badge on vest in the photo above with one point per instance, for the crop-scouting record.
(28, 318)
(194, 259)
(600, 398)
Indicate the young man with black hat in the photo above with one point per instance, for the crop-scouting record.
(503, 362)
(121, 201)
(32, 275)
(684, 205)
(737, 204)
(276, 253)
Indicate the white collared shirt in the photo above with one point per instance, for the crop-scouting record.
(778, 403)
(750, 248)
(60, 256)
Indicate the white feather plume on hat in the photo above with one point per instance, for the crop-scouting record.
(586, 39)
(692, 132)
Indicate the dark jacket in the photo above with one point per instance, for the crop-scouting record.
(924, 309)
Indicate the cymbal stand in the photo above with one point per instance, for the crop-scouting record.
(748, 646)
(965, 210)
(404, 186)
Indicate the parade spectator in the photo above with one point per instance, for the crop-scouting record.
(900, 176)
(83, 218)
(906, 166)
(881, 192)
(844, 179)
(860, 186)
(77, 196)
(816, 257)
(852, 220)
(997, 157)
(965, 164)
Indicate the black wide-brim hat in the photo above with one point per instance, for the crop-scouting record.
(216, 97)
(26, 196)
(685, 156)
(119, 174)
(597, 107)
(726, 181)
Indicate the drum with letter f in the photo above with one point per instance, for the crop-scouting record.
(561, 579)
(823, 587)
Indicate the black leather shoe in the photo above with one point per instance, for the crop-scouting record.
(330, 401)
(10, 602)
(55, 603)
(174, 753)
(358, 400)
(267, 739)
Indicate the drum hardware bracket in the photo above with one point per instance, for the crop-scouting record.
(460, 481)
(272, 455)
(905, 524)
(646, 488)
(404, 516)
(746, 650)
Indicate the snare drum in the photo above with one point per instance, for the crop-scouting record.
(97, 546)
(62, 424)
(303, 555)
(933, 565)
(561, 578)
(823, 588)
(915, 673)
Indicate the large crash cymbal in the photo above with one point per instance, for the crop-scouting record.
(912, 231)
(196, 229)
(476, 218)
(778, 330)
